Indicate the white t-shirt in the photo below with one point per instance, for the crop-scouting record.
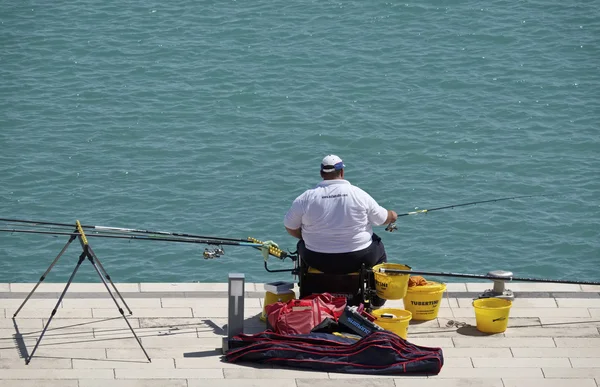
(336, 217)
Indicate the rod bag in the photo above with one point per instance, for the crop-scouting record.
(381, 352)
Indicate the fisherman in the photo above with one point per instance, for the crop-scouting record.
(334, 223)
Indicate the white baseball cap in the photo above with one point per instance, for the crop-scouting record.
(331, 163)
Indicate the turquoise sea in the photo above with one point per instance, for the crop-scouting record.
(210, 117)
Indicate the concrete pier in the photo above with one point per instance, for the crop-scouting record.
(553, 339)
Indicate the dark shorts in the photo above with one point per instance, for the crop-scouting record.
(343, 263)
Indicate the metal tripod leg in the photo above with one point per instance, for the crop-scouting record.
(91, 257)
(105, 274)
(81, 258)
(43, 277)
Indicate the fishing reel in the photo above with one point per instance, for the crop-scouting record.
(213, 253)
(391, 227)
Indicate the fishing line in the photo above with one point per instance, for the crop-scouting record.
(392, 226)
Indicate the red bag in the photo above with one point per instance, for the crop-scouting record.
(301, 316)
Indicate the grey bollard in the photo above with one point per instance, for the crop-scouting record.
(235, 316)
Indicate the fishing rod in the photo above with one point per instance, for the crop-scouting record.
(490, 277)
(119, 229)
(140, 237)
(392, 226)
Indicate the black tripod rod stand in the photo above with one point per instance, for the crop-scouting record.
(89, 254)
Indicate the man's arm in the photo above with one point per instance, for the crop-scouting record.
(296, 233)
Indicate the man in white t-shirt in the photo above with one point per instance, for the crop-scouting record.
(334, 223)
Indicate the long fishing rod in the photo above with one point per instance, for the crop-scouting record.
(119, 229)
(141, 237)
(392, 226)
(490, 277)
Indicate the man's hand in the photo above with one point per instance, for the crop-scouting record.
(392, 217)
(296, 233)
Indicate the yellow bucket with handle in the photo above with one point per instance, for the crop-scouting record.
(491, 314)
(390, 286)
(424, 301)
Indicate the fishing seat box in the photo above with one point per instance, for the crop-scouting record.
(350, 285)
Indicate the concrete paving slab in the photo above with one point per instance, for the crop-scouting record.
(509, 382)
(572, 373)
(75, 287)
(133, 363)
(183, 342)
(590, 288)
(57, 353)
(518, 303)
(149, 322)
(456, 287)
(490, 372)
(193, 287)
(434, 342)
(30, 323)
(550, 312)
(35, 363)
(239, 383)
(223, 312)
(32, 303)
(564, 331)
(445, 303)
(591, 352)
(578, 302)
(55, 334)
(205, 362)
(577, 342)
(522, 362)
(513, 322)
(41, 383)
(437, 382)
(276, 373)
(113, 322)
(4, 287)
(342, 377)
(570, 322)
(108, 303)
(53, 374)
(450, 352)
(542, 287)
(134, 383)
(387, 382)
(204, 373)
(206, 302)
(594, 312)
(585, 362)
(164, 353)
(144, 312)
(504, 342)
(26, 313)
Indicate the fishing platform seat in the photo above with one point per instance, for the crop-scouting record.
(313, 281)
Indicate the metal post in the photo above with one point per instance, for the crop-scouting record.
(235, 316)
(499, 290)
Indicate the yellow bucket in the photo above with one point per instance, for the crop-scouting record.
(271, 298)
(424, 301)
(390, 286)
(491, 314)
(397, 323)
